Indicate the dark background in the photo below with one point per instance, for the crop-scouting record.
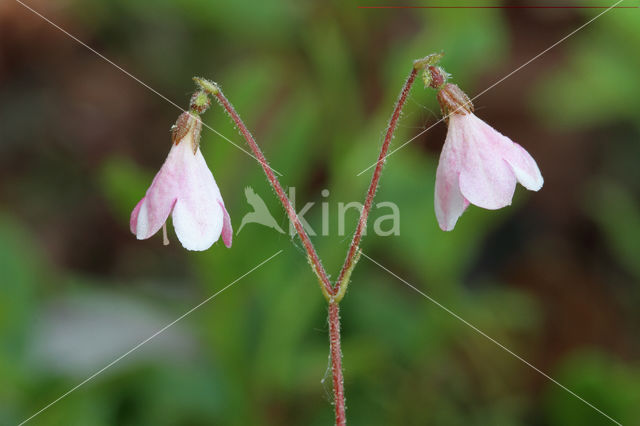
(554, 277)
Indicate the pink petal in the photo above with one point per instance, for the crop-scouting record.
(154, 209)
(133, 221)
(448, 200)
(227, 231)
(198, 218)
(486, 179)
(524, 167)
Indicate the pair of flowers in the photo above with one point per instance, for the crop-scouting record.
(478, 165)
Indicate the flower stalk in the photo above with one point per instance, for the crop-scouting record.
(314, 259)
(352, 254)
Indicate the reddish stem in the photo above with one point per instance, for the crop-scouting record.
(373, 187)
(329, 290)
(306, 241)
(336, 363)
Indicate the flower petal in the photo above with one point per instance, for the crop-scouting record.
(154, 208)
(133, 221)
(197, 226)
(227, 230)
(486, 179)
(524, 167)
(448, 200)
(198, 217)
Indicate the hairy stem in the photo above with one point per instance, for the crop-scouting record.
(352, 257)
(336, 363)
(314, 259)
(333, 293)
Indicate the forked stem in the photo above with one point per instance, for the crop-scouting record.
(333, 293)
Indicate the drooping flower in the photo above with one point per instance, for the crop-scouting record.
(478, 165)
(185, 188)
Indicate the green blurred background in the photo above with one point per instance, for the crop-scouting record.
(554, 277)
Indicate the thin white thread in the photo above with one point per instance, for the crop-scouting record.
(494, 85)
(163, 329)
(138, 80)
(449, 311)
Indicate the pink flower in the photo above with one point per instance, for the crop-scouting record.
(185, 188)
(478, 165)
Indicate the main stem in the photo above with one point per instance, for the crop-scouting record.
(336, 363)
(373, 187)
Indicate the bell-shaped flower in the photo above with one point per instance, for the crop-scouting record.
(185, 188)
(478, 165)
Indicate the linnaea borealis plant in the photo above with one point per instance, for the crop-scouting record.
(478, 165)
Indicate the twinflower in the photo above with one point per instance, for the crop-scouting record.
(478, 165)
(185, 188)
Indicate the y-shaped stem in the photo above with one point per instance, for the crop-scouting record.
(333, 293)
